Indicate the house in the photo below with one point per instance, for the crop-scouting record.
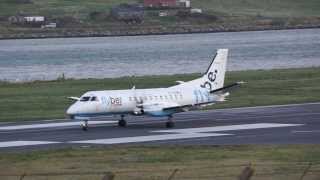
(16, 20)
(160, 3)
(184, 3)
(49, 25)
(34, 19)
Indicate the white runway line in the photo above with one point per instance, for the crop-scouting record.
(148, 138)
(51, 125)
(187, 133)
(24, 143)
(228, 128)
(268, 106)
(312, 131)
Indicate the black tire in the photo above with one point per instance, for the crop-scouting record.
(85, 128)
(169, 124)
(122, 123)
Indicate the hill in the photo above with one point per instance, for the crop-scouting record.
(91, 18)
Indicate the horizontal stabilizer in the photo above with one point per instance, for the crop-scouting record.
(228, 87)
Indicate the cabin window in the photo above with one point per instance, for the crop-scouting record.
(150, 97)
(135, 98)
(161, 97)
(130, 98)
(145, 98)
(85, 98)
(156, 97)
(170, 96)
(176, 96)
(181, 97)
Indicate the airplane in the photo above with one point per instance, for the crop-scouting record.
(159, 102)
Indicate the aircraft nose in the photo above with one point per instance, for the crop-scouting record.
(72, 110)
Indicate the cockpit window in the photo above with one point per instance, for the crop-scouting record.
(85, 98)
(94, 98)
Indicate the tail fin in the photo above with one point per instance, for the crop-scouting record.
(214, 77)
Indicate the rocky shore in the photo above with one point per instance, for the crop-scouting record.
(30, 33)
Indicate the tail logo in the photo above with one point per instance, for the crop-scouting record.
(212, 76)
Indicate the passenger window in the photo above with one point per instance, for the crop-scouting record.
(150, 97)
(130, 98)
(85, 98)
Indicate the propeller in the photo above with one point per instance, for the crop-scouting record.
(74, 98)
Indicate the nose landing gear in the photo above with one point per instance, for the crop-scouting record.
(84, 125)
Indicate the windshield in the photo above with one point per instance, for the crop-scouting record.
(88, 98)
(94, 98)
(85, 98)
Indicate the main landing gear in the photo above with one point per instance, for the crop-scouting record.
(170, 123)
(84, 125)
(122, 122)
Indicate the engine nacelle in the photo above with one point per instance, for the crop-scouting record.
(138, 112)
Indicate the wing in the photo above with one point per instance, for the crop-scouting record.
(162, 109)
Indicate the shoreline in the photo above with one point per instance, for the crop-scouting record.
(62, 78)
(65, 33)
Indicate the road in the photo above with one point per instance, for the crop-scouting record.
(284, 124)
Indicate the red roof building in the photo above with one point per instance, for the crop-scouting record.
(160, 3)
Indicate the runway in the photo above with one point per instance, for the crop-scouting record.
(284, 124)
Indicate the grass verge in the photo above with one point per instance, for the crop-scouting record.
(193, 162)
(47, 100)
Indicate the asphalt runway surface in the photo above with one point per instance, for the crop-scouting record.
(284, 124)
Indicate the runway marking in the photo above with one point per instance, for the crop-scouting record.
(184, 133)
(312, 131)
(50, 125)
(148, 138)
(268, 106)
(24, 143)
(228, 128)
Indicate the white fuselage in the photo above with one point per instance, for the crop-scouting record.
(129, 101)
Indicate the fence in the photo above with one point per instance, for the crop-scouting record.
(288, 171)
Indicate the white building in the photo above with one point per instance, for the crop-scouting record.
(34, 18)
(185, 3)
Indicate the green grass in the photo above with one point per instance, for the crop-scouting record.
(272, 8)
(78, 8)
(269, 8)
(284, 162)
(47, 100)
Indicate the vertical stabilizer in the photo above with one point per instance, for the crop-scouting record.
(214, 76)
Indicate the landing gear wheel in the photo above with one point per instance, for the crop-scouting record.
(84, 126)
(122, 123)
(169, 124)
